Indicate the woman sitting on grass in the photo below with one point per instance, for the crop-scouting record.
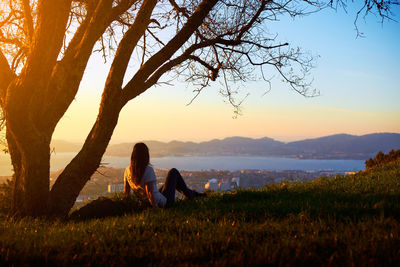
(140, 175)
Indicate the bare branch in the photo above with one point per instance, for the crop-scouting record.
(69, 71)
(175, 62)
(228, 93)
(381, 8)
(163, 69)
(155, 37)
(143, 50)
(253, 20)
(6, 76)
(89, 31)
(202, 62)
(167, 51)
(49, 33)
(128, 43)
(179, 9)
(28, 20)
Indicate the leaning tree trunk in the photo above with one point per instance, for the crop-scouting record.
(74, 177)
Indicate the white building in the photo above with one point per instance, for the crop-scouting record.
(212, 185)
(114, 188)
(236, 180)
(225, 186)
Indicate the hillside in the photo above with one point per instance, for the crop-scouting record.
(346, 146)
(345, 220)
(341, 146)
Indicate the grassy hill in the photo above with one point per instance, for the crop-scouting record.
(352, 220)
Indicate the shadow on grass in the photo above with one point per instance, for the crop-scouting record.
(257, 205)
(109, 207)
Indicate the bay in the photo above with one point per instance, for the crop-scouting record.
(192, 163)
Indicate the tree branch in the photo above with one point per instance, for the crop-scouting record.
(69, 71)
(93, 26)
(153, 79)
(28, 21)
(253, 20)
(47, 40)
(202, 62)
(48, 36)
(175, 62)
(6, 76)
(160, 71)
(155, 37)
(167, 51)
(179, 9)
(128, 44)
(188, 55)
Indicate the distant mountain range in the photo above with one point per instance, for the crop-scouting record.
(339, 146)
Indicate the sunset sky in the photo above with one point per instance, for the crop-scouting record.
(358, 80)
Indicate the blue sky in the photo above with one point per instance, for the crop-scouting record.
(358, 79)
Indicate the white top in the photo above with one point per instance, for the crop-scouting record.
(149, 176)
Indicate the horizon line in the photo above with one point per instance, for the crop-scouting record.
(228, 137)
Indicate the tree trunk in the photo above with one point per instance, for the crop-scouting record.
(30, 154)
(17, 201)
(31, 162)
(74, 177)
(36, 100)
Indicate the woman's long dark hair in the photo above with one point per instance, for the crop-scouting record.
(140, 158)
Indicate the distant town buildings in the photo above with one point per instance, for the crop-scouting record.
(211, 185)
(110, 181)
(224, 185)
(236, 180)
(115, 188)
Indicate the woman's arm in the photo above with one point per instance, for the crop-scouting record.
(149, 192)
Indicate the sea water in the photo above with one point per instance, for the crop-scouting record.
(194, 163)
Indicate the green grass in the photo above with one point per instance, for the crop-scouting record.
(352, 220)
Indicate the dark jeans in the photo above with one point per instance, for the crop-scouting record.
(174, 181)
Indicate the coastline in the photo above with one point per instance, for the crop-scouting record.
(197, 163)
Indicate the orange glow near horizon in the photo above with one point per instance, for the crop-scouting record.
(149, 118)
